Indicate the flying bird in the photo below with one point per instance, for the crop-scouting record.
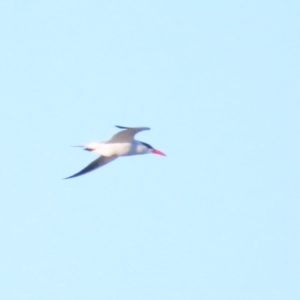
(121, 144)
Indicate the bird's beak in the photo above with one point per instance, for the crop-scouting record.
(155, 151)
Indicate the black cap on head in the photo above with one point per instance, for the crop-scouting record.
(147, 145)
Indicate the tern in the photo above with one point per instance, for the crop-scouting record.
(121, 144)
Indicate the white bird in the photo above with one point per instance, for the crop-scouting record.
(121, 144)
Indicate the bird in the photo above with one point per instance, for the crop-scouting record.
(120, 144)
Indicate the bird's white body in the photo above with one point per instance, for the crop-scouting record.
(117, 149)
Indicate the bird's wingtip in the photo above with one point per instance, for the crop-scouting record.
(69, 177)
(124, 127)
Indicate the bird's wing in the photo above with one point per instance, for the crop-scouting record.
(126, 135)
(99, 162)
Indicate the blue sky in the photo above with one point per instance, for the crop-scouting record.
(218, 83)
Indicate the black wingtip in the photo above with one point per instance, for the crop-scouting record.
(121, 127)
(124, 127)
(70, 177)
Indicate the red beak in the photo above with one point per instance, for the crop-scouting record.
(154, 151)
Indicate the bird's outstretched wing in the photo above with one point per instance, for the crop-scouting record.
(99, 162)
(126, 135)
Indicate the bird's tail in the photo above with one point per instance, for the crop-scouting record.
(84, 147)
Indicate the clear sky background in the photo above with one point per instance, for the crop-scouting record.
(218, 83)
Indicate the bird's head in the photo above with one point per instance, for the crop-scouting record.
(146, 148)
